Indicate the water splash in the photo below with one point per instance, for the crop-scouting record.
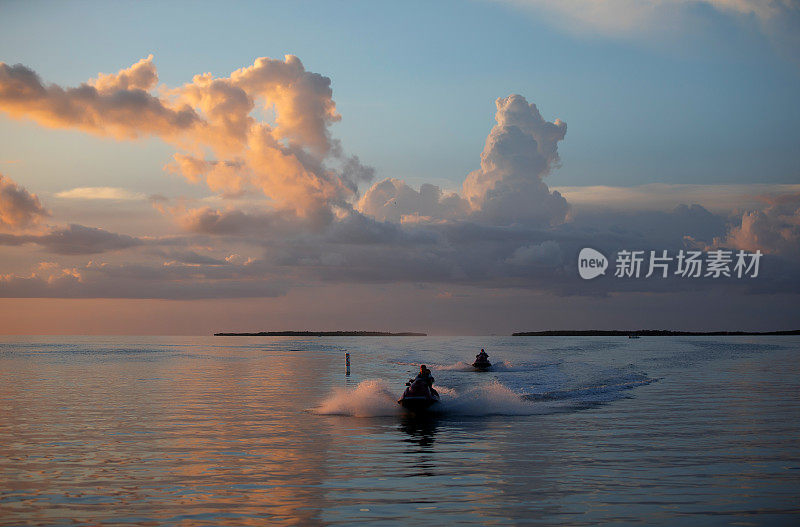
(371, 398)
(490, 399)
(374, 398)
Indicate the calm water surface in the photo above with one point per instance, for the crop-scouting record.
(245, 431)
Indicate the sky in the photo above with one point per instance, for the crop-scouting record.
(186, 168)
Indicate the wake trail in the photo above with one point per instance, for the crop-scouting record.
(374, 398)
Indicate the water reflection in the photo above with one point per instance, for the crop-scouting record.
(420, 434)
(218, 431)
(421, 429)
(199, 434)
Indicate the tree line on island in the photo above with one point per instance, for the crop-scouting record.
(647, 333)
(322, 334)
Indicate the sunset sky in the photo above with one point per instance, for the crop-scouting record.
(186, 168)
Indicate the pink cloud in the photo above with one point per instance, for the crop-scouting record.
(18, 207)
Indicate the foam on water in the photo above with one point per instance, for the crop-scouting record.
(492, 398)
(371, 398)
(456, 366)
(600, 390)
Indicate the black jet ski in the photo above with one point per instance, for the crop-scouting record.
(418, 396)
(482, 365)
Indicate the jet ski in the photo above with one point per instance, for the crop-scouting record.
(482, 365)
(418, 396)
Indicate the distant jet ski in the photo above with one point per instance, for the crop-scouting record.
(418, 396)
(482, 361)
(482, 365)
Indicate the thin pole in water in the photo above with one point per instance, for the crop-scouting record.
(347, 363)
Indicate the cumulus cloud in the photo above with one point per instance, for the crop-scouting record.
(359, 249)
(211, 221)
(140, 76)
(18, 207)
(211, 120)
(394, 200)
(223, 177)
(774, 229)
(116, 105)
(294, 162)
(520, 151)
(505, 229)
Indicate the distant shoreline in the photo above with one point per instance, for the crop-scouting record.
(547, 333)
(649, 333)
(321, 334)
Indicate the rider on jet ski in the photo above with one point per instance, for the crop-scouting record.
(482, 356)
(426, 376)
(419, 393)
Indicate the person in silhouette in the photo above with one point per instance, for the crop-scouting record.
(426, 376)
(482, 356)
(417, 388)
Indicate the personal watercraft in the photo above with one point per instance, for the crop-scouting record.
(482, 365)
(418, 396)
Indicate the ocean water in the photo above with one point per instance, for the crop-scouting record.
(254, 430)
